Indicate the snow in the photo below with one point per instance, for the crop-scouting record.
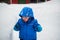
(47, 14)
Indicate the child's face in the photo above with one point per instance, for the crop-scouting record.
(25, 19)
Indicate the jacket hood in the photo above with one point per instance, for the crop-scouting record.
(26, 12)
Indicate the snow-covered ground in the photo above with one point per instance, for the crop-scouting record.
(47, 14)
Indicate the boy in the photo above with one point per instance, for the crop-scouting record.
(27, 25)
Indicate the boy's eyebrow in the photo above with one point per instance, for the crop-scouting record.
(26, 17)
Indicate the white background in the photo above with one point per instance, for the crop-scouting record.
(47, 14)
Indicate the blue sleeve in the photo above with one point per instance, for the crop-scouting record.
(17, 26)
(37, 26)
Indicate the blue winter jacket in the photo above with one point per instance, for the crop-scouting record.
(27, 30)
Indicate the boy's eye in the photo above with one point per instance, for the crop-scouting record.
(25, 17)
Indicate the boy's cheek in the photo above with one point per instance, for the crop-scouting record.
(26, 20)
